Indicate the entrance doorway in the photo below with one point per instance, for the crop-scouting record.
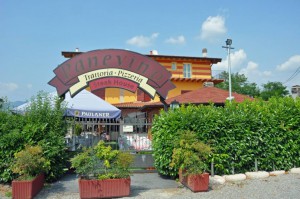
(131, 133)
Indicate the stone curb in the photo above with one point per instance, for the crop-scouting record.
(219, 180)
(216, 180)
(257, 175)
(235, 177)
(276, 173)
(295, 170)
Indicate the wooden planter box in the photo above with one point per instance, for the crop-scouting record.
(195, 182)
(27, 188)
(108, 188)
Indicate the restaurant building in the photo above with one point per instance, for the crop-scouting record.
(140, 86)
(187, 74)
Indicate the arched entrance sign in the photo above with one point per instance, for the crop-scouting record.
(112, 68)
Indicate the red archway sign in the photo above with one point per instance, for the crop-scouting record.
(112, 68)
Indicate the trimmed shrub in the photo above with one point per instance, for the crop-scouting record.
(239, 133)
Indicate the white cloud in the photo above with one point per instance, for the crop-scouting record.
(291, 64)
(267, 73)
(252, 72)
(250, 68)
(142, 41)
(240, 64)
(212, 28)
(237, 59)
(176, 40)
(256, 74)
(8, 86)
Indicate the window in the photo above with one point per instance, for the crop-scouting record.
(187, 70)
(174, 67)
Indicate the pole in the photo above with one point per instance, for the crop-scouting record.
(228, 47)
(229, 73)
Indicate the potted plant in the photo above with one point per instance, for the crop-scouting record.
(30, 166)
(189, 155)
(104, 173)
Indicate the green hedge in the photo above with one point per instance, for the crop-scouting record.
(239, 133)
(42, 125)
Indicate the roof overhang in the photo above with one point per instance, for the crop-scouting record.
(68, 54)
(174, 57)
(180, 79)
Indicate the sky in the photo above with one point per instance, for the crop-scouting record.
(265, 36)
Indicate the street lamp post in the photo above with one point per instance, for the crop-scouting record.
(228, 46)
(174, 104)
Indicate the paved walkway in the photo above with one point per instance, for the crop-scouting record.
(152, 185)
(67, 187)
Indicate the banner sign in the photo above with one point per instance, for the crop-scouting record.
(113, 83)
(91, 114)
(127, 128)
(112, 68)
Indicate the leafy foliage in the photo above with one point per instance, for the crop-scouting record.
(9, 144)
(85, 162)
(43, 125)
(47, 110)
(55, 150)
(4, 104)
(190, 154)
(239, 133)
(102, 162)
(273, 89)
(239, 84)
(30, 162)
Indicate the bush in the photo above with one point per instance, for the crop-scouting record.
(42, 124)
(239, 133)
(30, 162)
(55, 150)
(102, 162)
(190, 154)
(168, 127)
(10, 143)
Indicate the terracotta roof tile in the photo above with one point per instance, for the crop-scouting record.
(207, 95)
(200, 96)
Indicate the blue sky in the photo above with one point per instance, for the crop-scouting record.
(265, 34)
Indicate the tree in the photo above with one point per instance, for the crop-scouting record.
(43, 124)
(276, 89)
(239, 84)
(1, 102)
(5, 105)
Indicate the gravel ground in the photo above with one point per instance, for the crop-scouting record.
(274, 187)
(151, 185)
